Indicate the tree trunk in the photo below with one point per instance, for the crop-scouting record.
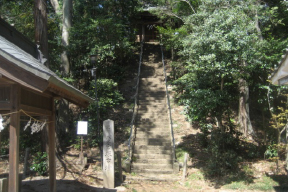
(41, 39)
(40, 24)
(67, 23)
(243, 114)
(56, 6)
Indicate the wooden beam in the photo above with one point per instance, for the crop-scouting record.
(21, 76)
(52, 159)
(35, 111)
(14, 140)
(5, 106)
(68, 96)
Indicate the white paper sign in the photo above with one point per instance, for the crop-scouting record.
(82, 128)
(1, 124)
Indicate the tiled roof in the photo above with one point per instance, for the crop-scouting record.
(27, 62)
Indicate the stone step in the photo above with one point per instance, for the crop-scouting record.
(153, 107)
(152, 93)
(153, 161)
(151, 85)
(153, 64)
(153, 156)
(154, 149)
(150, 79)
(152, 101)
(152, 113)
(146, 72)
(154, 152)
(164, 166)
(152, 134)
(157, 112)
(151, 129)
(148, 89)
(151, 117)
(152, 122)
(153, 82)
(149, 142)
(153, 171)
(163, 140)
(152, 97)
(150, 74)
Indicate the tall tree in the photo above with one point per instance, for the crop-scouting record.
(67, 24)
(41, 32)
(222, 46)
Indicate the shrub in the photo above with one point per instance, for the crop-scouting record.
(39, 163)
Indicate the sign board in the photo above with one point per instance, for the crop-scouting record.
(82, 128)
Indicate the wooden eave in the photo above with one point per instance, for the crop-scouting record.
(16, 74)
(68, 95)
(22, 68)
(52, 86)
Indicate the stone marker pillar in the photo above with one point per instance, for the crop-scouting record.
(108, 154)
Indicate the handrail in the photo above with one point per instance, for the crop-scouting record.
(132, 136)
(168, 103)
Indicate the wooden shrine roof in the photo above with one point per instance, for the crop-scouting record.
(19, 66)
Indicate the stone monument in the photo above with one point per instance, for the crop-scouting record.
(108, 154)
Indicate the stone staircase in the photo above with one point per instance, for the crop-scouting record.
(153, 146)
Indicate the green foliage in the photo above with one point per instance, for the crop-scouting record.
(263, 184)
(19, 14)
(107, 92)
(39, 163)
(77, 144)
(106, 28)
(224, 152)
(108, 98)
(272, 151)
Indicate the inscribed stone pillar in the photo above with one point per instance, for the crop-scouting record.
(108, 154)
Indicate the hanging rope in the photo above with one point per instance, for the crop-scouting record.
(36, 125)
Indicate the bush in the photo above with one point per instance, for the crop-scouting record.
(39, 163)
(108, 97)
(224, 151)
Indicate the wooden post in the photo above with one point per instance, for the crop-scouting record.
(52, 163)
(143, 33)
(26, 162)
(81, 156)
(185, 166)
(14, 140)
(119, 155)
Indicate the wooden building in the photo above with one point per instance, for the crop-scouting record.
(280, 75)
(28, 87)
(147, 27)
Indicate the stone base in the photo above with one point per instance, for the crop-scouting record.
(176, 167)
(127, 167)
